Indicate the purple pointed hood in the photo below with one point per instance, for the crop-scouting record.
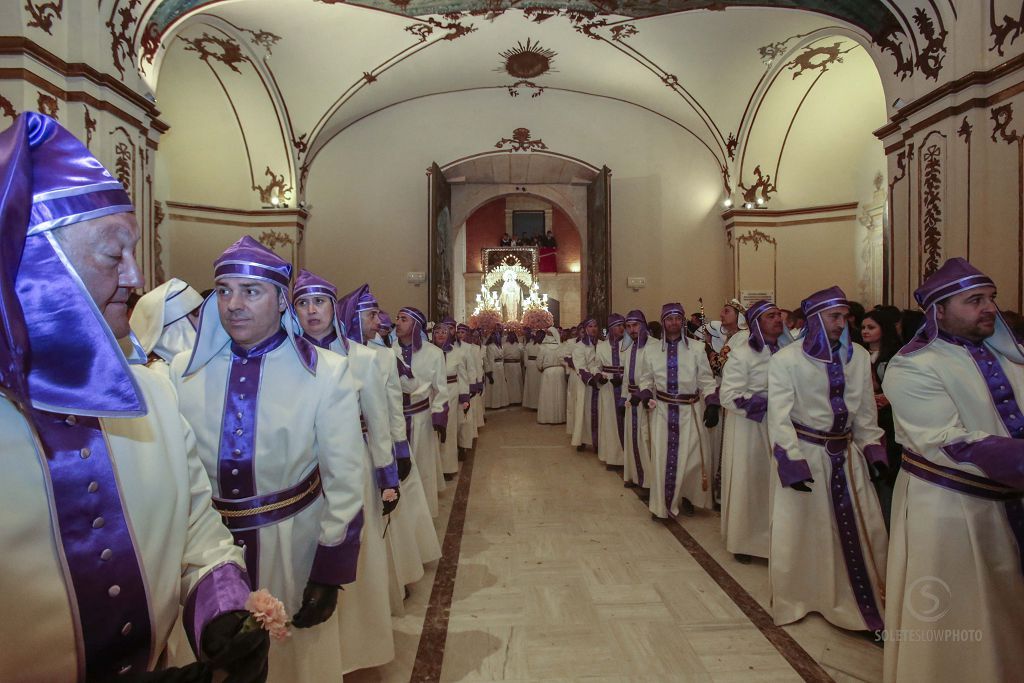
(958, 275)
(674, 308)
(56, 351)
(583, 336)
(816, 343)
(419, 330)
(753, 317)
(637, 316)
(248, 259)
(308, 283)
(349, 309)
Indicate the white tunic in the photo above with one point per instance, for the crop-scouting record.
(428, 384)
(809, 552)
(573, 385)
(303, 421)
(551, 397)
(531, 375)
(513, 355)
(178, 537)
(957, 547)
(637, 427)
(680, 444)
(746, 453)
(457, 374)
(610, 402)
(479, 407)
(495, 388)
(468, 428)
(411, 538)
(367, 638)
(584, 415)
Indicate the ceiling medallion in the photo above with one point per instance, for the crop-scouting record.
(527, 61)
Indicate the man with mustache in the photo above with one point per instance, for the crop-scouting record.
(746, 456)
(828, 540)
(107, 524)
(277, 425)
(957, 551)
(637, 442)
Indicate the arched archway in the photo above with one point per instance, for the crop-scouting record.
(491, 186)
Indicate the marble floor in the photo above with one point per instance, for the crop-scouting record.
(560, 574)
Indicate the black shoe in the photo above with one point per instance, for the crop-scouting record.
(581, 448)
(610, 468)
(629, 485)
(687, 507)
(742, 559)
(449, 477)
(655, 518)
(645, 495)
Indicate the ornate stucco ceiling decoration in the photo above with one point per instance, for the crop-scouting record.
(527, 61)
(873, 16)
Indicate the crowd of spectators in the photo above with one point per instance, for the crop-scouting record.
(545, 240)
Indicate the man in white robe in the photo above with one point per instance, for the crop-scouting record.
(411, 538)
(585, 407)
(676, 376)
(496, 389)
(828, 538)
(164, 321)
(107, 527)
(746, 452)
(277, 425)
(570, 338)
(531, 377)
(457, 379)
(637, 438)
(611, 395)
(955, 608)
(367, 639)
(551, 397)
(468, 427)
(424, 400)
(512, 354)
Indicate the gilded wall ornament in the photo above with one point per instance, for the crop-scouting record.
(277, 187)
(47, 104)
(273, 238)
(521, 141)
(121, 24)
(90, 126)
(1002, 117)
(762, 188)
(1007, 29)
(931, 219)
(527, 61)
(42, 15)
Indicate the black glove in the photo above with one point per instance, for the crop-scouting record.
(318, 604)
(404, 468)
(490, 377)
(390, 505)
(442, 432)
(197, 672)
(711, 415)
(802, 485)
(635, 400)
(601, 379)
(242, 655)
(878, 470)
(616, 381)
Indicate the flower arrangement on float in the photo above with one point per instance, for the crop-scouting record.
(514, 326)
(537, 319)
(485, 320)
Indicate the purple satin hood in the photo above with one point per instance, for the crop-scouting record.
(753, 317)
(637, 316)
(56, 351)
(350, 306)
(816, 343)
(958, 275)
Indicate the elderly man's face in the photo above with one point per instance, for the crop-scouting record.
(102, 252)
(250, 310)
(316, 315)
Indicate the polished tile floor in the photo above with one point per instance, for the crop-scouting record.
(563, 576)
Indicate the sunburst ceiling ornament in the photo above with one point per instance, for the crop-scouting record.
(527, 61)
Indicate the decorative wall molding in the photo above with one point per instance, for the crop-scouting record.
(932, 198)
(7, 108)
(123, 17)
(1005, 29)
(762, 188)
(273, 238)
(89, 123)
(768, 218)
(42, 15)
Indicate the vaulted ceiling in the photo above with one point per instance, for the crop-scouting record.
(708, 67)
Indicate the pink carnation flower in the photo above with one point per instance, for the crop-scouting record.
(269, 613)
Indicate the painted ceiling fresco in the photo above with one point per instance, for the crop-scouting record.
(871, 15)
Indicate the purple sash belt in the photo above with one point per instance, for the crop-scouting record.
(452, 379)
(612, 369)
(957, 480)
(676, 399)
(415, 408)
(834, 442)
(260, 511)
(499, 360)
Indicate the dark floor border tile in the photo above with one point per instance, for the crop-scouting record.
(430, 653)
(803, 663)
